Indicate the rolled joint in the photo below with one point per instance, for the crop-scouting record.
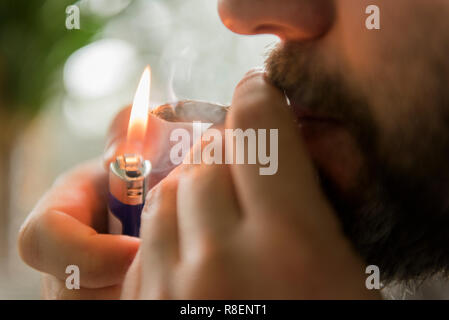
(192, 110)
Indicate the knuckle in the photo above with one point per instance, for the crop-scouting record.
(152, 200)
(249, 89)
(162, 190)
(162, 193)
(159, 209)
(209, 251)
(255, 74)
(31, 238)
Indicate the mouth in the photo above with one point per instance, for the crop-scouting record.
(314, 124)
(330, 144)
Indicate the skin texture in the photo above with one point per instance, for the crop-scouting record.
(381, 145)
(367, 188)
(207, 240)
(64, 228)
(193, 229)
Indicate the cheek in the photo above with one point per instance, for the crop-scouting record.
(364, 49)
(387, 65)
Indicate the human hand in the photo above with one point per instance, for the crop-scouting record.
(227, 232)
(68, 225)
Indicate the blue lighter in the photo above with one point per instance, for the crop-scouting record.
(128, 186)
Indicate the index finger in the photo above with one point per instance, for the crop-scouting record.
(63, 230)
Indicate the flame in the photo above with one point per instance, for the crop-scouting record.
(139, 112)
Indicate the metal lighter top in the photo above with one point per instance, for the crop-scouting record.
(128, 186)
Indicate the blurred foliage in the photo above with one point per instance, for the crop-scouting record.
(34, 44)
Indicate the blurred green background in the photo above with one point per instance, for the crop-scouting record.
(60, 88)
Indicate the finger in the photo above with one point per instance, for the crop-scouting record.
(293, 187)
(60, 231)
(207, 205)
(56, 289)
(159, 233)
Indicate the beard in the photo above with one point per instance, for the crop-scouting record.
(397, 213)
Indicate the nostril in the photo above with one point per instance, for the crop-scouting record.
(284, 32)
(294, 20)
(268, 29)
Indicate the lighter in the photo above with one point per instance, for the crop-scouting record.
(129, 173)
(128, 185)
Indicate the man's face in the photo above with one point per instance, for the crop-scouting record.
(373, 107)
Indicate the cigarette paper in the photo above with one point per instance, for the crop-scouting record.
(192, 110)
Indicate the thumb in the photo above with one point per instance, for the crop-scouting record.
(294, 192)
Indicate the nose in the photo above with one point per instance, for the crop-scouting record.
(290, 20)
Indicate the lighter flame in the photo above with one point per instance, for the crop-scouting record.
(139, 112)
